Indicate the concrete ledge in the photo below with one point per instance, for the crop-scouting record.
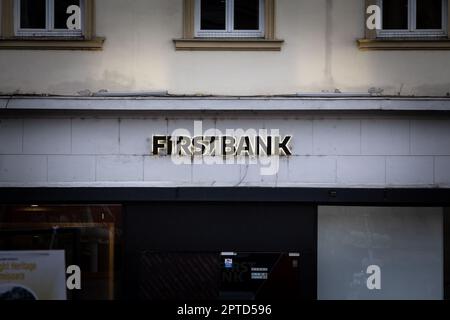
(254, 104)
(394, 44)
(228, 44)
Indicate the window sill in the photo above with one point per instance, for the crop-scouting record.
(228, 44)
(407, 44)
(51, 44)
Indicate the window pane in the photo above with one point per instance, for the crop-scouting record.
(32, 14)
(213, 14)
(406, 243)
(395, 14)
(61, 14)
(429, 14)
(246, 14)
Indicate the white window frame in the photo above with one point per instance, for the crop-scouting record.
(49, 30)
(412, 31)
(229, 31)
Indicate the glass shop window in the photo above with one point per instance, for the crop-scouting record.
(39, 242)
(380, 253)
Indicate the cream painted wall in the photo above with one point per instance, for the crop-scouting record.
(320, 53)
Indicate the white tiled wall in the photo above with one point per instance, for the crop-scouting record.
(71, 168)
(405, 243)
(336, 137)
(94, 136)
(359, 151)
(361, 170)
(11, 136)
(385, 137)
(120, 168)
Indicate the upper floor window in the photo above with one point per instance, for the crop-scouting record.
(414, 18)
(48, 17)
(48, 25)
(229, 25)
(229, 18)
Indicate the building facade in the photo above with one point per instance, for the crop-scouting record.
(360, 203)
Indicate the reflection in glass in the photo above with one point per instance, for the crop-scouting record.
(429, 14)
(395, 14)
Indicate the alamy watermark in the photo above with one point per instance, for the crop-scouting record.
(374, 277)
(74, 20)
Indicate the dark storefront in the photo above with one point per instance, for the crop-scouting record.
(224, 243)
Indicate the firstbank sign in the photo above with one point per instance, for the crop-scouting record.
(226, 146)
(235, 146)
